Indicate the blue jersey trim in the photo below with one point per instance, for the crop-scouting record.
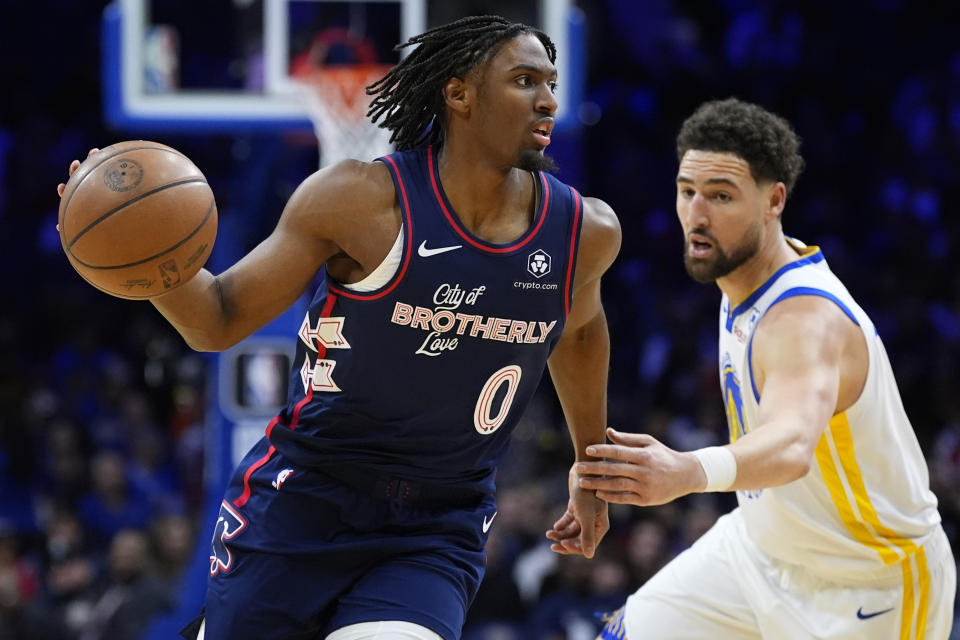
(753, 385)
(791, 293)
(812, 291)
(813, 258)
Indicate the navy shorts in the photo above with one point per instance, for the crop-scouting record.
(297, 554)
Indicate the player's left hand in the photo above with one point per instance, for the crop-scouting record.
(70, 170)
(638, 469)
(581, 528)
(73, 167)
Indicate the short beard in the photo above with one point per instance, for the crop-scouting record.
(704, 271)
(530, 160)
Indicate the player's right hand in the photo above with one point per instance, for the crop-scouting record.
(73, 167)
(638, 469)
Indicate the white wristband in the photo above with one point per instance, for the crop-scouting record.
(719, 465)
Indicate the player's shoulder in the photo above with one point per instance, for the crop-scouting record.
(600, 219)
(342, 201)
(353, 183)
(803, 321)
(600, 237)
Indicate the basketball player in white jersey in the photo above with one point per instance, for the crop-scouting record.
(837, 534)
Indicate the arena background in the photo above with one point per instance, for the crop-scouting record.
(103, 408)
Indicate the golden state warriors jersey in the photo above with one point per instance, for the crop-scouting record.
(866, 502)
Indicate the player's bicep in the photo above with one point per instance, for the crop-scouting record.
(797, 358)
(599, 244)
(586, 306)
(278, 269)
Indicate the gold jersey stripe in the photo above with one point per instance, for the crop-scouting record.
(923, 570)
(843, 439)
(854, 525)
(906, 612)
(867, 528)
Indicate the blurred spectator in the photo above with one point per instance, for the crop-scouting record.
(131, 596)
(647, 550)
(23, 613)
(71, 571)
(172, 538)
(576, 595)
(64, 461)
(111, 505)
(498, 611)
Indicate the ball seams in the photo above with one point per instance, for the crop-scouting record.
(66, 204)
(127, 204)
(202, 224)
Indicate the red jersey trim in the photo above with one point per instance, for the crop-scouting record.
(245, 496)
(242, 500)
(325, 312)
(321, 353)
(470, 238)
(408, 249)
(568, 285)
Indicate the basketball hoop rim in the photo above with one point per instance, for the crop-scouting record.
(335, 99)
(351, 72)
(340, 89)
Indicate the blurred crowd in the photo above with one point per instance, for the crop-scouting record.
(103, 408)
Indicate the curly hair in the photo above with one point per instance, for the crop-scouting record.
(410, 96)
(763, 139)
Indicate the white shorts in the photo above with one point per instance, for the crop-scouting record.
(372, 631)
(724, 587)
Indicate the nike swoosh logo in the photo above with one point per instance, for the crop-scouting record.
(867, 616)
(426, 253)
(487, 523)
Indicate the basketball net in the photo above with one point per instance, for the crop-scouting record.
(337, 103)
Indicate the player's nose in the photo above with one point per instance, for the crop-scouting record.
(546, 100)
(698, 211)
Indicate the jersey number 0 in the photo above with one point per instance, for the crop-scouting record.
(484, 422)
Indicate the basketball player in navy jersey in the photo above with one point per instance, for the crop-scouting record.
(453, 271)
(837, 534)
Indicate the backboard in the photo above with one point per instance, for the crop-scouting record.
(225, 65)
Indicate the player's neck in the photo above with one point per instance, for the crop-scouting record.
(747, 278)
(483, 192)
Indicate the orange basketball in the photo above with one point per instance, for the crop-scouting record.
(137, 219)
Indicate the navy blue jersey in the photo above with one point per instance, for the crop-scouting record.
(426, 377)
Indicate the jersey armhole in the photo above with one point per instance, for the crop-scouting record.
(790, 293)
(574, 250)
(406, 228)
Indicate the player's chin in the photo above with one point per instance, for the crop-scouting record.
(535, 160)
(700, 269)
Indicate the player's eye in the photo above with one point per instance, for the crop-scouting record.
(523, 81)
(553, 86)
(722, 196)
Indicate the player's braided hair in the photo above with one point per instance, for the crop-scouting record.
(765, 140)
(410, 96)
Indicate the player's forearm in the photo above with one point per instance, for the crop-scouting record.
(578, 368)
(196, 311)
(774, 454)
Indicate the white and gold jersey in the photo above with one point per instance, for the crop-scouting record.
(865, 505)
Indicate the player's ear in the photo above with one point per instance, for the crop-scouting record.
(776, 198)
(457, 94)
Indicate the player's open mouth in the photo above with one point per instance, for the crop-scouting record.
(699, 247)
(542, 130)
(542, 136)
